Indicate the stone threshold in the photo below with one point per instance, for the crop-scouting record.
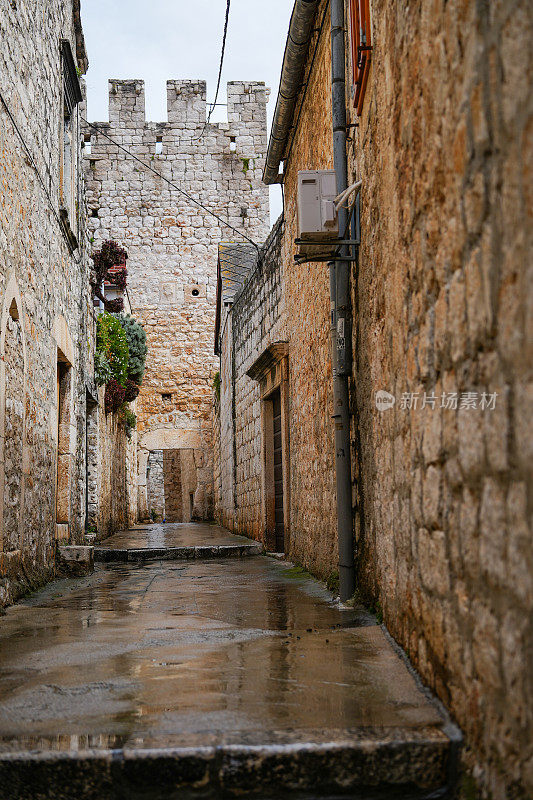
(198, 552)
(363, 764)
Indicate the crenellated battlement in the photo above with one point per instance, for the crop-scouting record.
(187, 105)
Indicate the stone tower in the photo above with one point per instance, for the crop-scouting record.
(172, 266)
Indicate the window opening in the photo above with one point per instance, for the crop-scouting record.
(68, 168)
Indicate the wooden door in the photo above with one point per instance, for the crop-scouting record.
(278, 473)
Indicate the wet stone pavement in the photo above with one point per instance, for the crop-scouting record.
(174, 541)
(203, 679)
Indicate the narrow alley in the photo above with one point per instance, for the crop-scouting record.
(266, 400)
(204, 676)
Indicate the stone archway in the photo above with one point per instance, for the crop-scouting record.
(169, 442)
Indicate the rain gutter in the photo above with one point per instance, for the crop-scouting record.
(292, 75)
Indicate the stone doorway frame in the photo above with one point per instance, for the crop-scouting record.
(65, 433)
(271, 371)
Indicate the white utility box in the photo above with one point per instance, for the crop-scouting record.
(317, 218)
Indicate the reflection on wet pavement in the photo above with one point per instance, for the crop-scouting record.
(202, 652)
(173, 534)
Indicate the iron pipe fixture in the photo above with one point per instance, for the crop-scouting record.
(341, 313)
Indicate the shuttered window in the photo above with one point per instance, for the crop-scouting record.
(361, 46)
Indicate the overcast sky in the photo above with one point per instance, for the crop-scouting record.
(157, 40)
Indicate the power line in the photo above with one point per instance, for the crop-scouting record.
(214, 103)
(170, 183)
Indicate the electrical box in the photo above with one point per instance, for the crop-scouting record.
(317, 217)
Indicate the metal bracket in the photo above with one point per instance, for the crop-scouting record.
(325, 259)
(304, 258)
(329, 242)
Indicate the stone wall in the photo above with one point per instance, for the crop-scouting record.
(172, 243)
(307, 302)
(444, 148)
(217, 457)
(156, 486)
(255, 320)
(46, 322)
(112, 473)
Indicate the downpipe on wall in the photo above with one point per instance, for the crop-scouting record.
(340, 315)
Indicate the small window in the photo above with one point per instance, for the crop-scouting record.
(94, 213)
(87, 144)
(232, 144)
(361, 47)
(166, 397)
(68, 172)
(195, 292)
(158, 145)
(13, 310)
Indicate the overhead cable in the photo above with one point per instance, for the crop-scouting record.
(214, 103)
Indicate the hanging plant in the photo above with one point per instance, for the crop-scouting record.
(114, 396)
(132, 390)
(102, 369)
(129, 419)
(112, 354)
(118, 277)
(216, 385)
(115, 306)
(137, 348)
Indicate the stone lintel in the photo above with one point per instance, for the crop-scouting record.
(268, 358)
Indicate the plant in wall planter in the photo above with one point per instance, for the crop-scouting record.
(112, 354)
(120, 340)
(119, 362)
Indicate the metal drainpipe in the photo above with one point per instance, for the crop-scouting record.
(340, 310)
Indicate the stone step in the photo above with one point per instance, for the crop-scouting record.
(366, 764)
(198, 552)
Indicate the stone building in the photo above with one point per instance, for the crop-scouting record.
(46, 317)
(250, 339)
(54, 434)
(440, 115)
(172, 244)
